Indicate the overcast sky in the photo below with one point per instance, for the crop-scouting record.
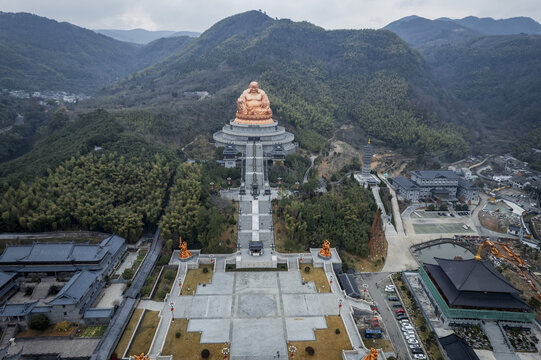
(199, 15)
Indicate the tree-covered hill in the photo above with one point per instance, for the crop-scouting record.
(421, 33)
(37, 53)
(498, 77)
(316, 80)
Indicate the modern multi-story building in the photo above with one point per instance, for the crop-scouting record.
(442, 185)
(86, 265)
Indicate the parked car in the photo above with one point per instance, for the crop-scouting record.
(393, 298)
(417, 350)
(400, 311)
(419, 356)
(412, 341)
(397, 305)
(402, 317)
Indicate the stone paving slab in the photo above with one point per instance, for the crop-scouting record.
(258, 336)
(257, 306)
(112, 295)
(222, 283)
(260, 282)
(310, 304)
(212, 330)
(302, 328)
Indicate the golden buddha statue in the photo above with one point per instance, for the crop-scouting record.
(373, 355)
(253, 107)
(325, 251)
(184, 252)
(141, 357)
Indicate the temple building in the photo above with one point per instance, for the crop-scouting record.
(468, 291)
(85, 267)
(442, 185)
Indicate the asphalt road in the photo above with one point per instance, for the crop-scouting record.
(391, 325)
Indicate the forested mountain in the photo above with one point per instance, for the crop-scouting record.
(37, 53)
(142, 36)
(316, 80)
(496, 77)
(490, 26)
(421, 33)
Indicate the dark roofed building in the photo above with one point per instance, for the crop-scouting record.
(457, 349)
(7, 285)
(473, 289)
(53, 258)
(347, 282)
(443, 185)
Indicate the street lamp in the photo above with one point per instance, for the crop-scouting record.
(172, 303)
(225, 350)
(292, 350)
(229, 182)
(339, 306)
(297, 185)
(211, 185)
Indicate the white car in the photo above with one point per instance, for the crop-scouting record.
(406, 327)
(419, 356)
(413, 341)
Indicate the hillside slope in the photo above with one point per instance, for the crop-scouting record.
(316, 81)
(37, 53)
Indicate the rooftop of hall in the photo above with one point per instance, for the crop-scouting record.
(75, 288)
(404, 182)
(435, 174)
(474, 283)
(61, 252)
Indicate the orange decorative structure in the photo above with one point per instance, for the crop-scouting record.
(253, 107)
(184, 254)
(141, 357)
(325, 251)
(372, 356)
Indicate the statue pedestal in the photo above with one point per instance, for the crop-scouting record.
(324, 257)
(186, 259)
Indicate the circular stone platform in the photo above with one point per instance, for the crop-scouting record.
(269, 135)
(257, 305)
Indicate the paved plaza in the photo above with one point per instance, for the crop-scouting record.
(256, 312)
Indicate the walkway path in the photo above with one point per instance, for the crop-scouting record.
(305, 179)
(499, 346)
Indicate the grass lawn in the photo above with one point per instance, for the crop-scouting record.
(328, 345)
(187, 346)
(164, 285)
(145, 333)
(433, 351)
(195, 277)
(92, 331)
(50, 331)
(383, 344)
(130, 328)
(317, 275)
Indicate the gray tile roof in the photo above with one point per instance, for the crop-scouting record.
(433, 174)
(97, 313)
(457, 349)
(59, 253)
(404, 182)
(17, 309)
(5, 278)
(75, 289)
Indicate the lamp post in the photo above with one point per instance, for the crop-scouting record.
(279, 183)
(225, 350)
(211, 185)
(229, 182)
(172, 303)
(297, 185)
(292, 350)
(339, 307)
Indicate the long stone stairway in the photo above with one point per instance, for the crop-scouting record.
(499, 345)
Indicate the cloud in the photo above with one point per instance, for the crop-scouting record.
(199, 16)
